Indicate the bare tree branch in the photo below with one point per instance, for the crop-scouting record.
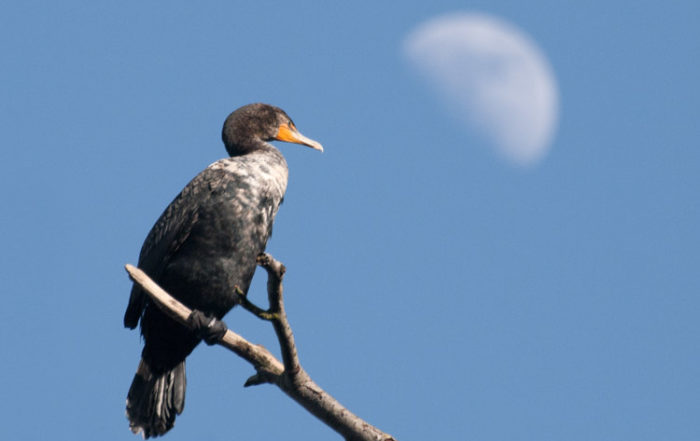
(289, 376)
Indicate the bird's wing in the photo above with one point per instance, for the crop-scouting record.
(168, 234)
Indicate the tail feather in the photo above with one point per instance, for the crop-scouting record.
(154, 400)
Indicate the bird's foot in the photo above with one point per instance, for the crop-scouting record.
(263, 259)
(207, 328)
(249, 306)
(272, 265)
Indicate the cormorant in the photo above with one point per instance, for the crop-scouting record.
(204, 245)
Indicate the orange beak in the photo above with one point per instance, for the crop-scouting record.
(289, 133)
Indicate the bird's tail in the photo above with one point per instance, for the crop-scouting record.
(154, 400)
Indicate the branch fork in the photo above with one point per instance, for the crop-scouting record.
(288, 375)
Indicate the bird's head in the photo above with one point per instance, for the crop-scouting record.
(250, 126)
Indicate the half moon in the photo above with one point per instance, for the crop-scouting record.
(493, 77)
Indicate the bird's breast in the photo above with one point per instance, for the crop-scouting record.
(247, 196)
(234, 221)
(259, 174)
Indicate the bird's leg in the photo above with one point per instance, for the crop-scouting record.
(271, 265)
(275, 268)
(249, 306)
(206, 327)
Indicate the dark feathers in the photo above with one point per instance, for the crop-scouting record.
(204, 245)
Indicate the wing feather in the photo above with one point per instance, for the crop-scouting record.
(170, 231)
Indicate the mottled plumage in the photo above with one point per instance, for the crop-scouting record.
(204, 245)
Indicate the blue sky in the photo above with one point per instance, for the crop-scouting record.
(435, 289)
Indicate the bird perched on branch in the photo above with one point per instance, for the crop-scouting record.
(202, 247)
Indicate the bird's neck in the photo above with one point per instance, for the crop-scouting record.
(248, 146)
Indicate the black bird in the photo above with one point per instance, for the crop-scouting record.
(204, 245)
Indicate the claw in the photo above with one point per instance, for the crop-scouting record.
(207, 328)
